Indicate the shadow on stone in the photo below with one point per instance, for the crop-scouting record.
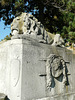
(3, 97)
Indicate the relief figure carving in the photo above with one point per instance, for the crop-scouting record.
(55, 68)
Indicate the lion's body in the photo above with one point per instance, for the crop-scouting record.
(27, 24)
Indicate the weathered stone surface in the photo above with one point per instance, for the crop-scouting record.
(56, 69)
(23, 71)
(27, 24)
(58, 41)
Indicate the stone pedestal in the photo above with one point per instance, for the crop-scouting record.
(23, 71)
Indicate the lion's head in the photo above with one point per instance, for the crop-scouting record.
(26, 24)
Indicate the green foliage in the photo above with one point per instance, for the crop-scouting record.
(8, 37)
(69, 29)
(71, 37)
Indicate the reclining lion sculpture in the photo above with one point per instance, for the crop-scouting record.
(27, 25)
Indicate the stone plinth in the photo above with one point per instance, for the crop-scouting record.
(23, 71)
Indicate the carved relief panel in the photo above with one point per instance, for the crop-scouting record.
(56, 69)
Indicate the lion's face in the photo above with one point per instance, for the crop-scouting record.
(17, 25)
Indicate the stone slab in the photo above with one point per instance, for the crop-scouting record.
(22, 62)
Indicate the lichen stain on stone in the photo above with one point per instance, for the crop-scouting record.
(66, 88)
(20, 26)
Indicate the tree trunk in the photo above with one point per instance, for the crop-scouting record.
(41, 13)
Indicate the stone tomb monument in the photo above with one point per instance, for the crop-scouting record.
(34, 64)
